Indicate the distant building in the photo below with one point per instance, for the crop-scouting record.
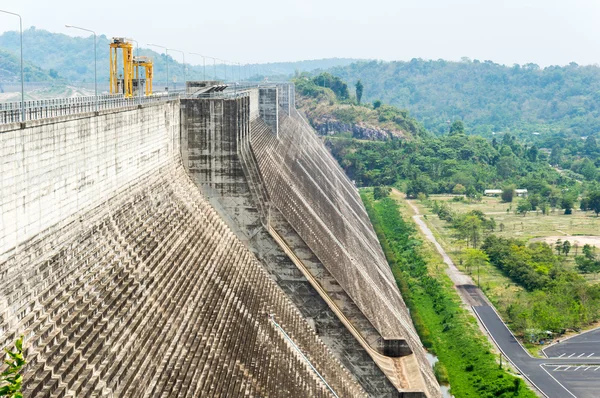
(492, 192)
(521, 192)
(498, 192)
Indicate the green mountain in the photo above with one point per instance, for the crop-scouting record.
(486, 96)
(10, 70)
(72, 59)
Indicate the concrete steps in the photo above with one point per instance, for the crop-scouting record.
(153, 296)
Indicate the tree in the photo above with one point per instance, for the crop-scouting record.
(567, 202)
(459, 189)
(558, 246)
(587, 265)
(508, 194)
(588, 251)
(469, 228)
(359, 91)
(457, 128)
(591, 146)
(566, 247)
(476, 258)
(420, 184)
(523, 207)
(555, 155)
(380, 192)
(532, 154)
(376, 104)
(11, 380)
(593, 202)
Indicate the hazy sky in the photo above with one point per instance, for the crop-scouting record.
(505, 31)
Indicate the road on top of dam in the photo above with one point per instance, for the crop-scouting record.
(572, 368)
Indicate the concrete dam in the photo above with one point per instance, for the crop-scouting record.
(200, 245)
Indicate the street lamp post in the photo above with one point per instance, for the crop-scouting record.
(95, 61)
(182, 53)
(204, 60)
(22, 81)
(225, 68)
(167, 57)
(137, 50)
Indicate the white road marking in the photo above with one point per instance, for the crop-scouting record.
(581, 355)
(597, 368)
(571, 355)
(576, 369)
(586, 368)
(562, 355)
(567, 368)
(559, 383)
(591, 354)
(558, 367)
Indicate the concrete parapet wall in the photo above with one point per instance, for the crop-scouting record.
(211, 130)
(286, 97)
(268, 107)
(254, 108)
(52, 168)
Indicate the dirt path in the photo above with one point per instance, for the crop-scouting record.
(453, 272)
(470, 294)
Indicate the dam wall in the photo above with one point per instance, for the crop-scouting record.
(52, 168)
(234, 190)
(317, 199)
(144, 290)
(188, 248)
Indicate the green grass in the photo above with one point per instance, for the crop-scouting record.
(445, 327)
(505, 293)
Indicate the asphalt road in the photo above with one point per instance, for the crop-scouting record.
(585, 345)
(555, 377)
(561, 376)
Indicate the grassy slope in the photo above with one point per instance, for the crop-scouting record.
(446, 329)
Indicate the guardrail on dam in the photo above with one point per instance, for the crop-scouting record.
(161, 248)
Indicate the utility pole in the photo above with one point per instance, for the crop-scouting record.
(95, 61)
(22, 81)
(167, 58)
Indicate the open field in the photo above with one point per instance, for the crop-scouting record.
(580, 228)
(533, 225)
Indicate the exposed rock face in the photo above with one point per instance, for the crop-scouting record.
(330, 126)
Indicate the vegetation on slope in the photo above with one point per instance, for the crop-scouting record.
(72, 58)
(487, 96)
(10, 70)
(445, 328)
(455, 163)
(332, 110)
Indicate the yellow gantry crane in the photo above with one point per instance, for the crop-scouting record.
(125, 83)
(127, 79)
(146, 63)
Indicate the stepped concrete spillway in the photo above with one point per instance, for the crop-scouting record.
(145, 251)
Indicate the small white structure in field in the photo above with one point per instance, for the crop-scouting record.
(521, 192)
(492, 192)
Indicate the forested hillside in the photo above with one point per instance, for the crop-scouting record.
(486, 96)
(379, 144)
(10, 70)
(72, 59)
